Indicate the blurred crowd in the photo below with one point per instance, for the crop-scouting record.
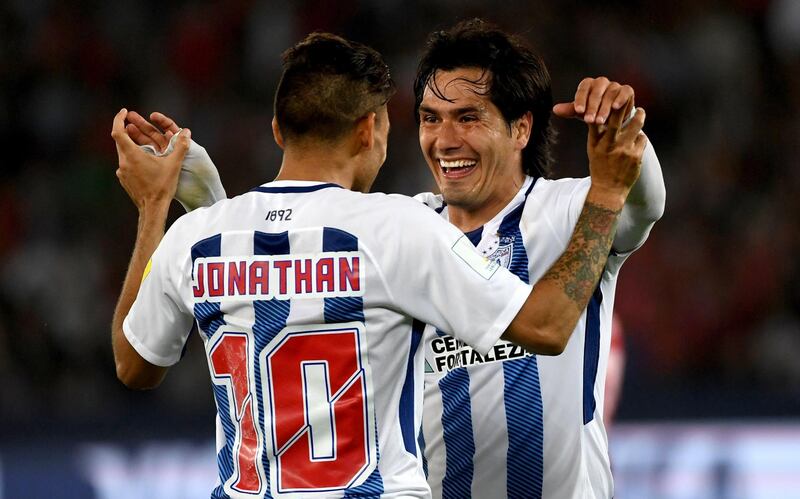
(711, 303)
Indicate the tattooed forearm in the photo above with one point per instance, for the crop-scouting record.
(578, 270)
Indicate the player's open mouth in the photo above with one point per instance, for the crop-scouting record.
(457, 168)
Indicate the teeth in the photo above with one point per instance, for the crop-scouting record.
(459, 163)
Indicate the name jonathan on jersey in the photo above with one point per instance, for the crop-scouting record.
(319, 275)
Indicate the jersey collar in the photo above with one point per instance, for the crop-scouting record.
(294, 186)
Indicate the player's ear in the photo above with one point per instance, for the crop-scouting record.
(521, 129)
(276, 133)
(365, 132)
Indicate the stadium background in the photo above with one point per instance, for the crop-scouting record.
(711, 304)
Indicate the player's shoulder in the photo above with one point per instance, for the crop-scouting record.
(194, 225)
(567, 186)
(429, 199)
(405, 205)
(557, 192)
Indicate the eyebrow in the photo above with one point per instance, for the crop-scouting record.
(460, 110)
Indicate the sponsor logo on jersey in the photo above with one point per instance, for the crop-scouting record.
(318, 275)
(450, 353)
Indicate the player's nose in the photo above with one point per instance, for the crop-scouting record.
(447, 136)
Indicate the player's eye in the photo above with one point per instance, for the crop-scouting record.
(469, 118)
(429, 118)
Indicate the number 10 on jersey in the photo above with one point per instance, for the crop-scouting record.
(319, 424)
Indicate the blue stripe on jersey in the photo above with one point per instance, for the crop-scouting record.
(421, 442)
(474, 236)
(510, 223)
(591, 354)
(522, 392)
(406, 415)
(271, 316)
(524, 420)
(208, 315)
(289, 189)
(209, 318)
(349, 309)
(459, 439)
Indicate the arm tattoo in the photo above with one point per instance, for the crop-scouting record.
(578, 270)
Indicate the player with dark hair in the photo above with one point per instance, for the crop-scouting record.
(311, 305)
(513, 424)
(519, 82)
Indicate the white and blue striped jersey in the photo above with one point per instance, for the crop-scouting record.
(511, 424)
(311, 301)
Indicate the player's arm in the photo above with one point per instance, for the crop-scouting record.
(150, 182)
(645, 204)
(596, 99)
(546, 320)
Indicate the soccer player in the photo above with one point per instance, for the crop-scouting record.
(311, 297)
(512, 424)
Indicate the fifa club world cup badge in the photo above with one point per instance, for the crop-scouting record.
(504, 251)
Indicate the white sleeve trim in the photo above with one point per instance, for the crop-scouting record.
(144, 351)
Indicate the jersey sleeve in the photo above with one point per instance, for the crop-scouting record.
(158, 323)
(434, 273)
(561, 203)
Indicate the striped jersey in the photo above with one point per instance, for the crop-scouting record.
(311, 301)
(508, 423)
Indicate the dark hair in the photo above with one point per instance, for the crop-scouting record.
(328, 83)
(517, 80)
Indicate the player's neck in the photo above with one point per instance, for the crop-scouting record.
(317, 166)
(468, 217)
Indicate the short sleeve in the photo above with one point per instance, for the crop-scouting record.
(158, 324)
(436, 275)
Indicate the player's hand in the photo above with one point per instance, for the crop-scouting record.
(615, 151)
(595, 99)
(143, 132)
(148, 180)
(199, 183)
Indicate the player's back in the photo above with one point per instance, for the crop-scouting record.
(280, 285)
(305, 296)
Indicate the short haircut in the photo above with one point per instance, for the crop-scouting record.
(328, 84)
(517, 81)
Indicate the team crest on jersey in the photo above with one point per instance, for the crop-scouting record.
(504, 251)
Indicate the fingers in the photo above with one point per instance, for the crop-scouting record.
(635, 126)
(615, 106)
(181, 145)
(617, 117)
(594, 98)
(606, 137)
(623, 97)
(165, 122)
(639, 144)
(120, 134)
(147, 128)
(565, 110)
(138, 137)
(582, 94)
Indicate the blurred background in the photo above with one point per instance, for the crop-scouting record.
(710, 306)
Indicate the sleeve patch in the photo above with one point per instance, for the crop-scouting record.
(147, 269)
(466, 251)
